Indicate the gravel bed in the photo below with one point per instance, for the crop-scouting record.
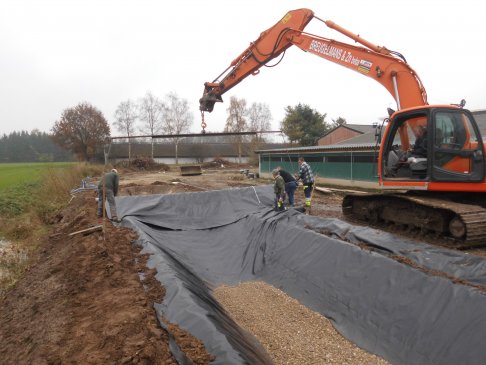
(290, 332)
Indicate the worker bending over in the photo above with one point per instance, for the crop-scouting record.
(305, 174)
(111, 182)
(290, 185)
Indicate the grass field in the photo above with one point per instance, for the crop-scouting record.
(13, 174)
(31, 194)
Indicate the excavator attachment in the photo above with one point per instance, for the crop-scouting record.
(207, 101)
(191, 170)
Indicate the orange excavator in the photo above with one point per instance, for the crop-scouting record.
(432, 156)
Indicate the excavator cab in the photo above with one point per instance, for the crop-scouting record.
(435, 144)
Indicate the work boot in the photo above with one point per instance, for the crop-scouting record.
(115, 219)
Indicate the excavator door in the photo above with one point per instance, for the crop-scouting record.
(405, 154)
(458, 154)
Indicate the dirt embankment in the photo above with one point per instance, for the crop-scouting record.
(83, 301)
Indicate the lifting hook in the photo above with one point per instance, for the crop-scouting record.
(203, 123)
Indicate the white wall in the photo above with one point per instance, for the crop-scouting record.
(186, 160)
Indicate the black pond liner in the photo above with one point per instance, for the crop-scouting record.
(431, 312)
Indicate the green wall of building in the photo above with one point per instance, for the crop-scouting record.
(361, 166)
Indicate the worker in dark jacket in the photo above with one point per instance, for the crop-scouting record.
(111, 183)
(420, 146)
(278, 189)
(290, 185)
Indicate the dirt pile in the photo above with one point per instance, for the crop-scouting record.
(220, 163)
(157, 187)
(84, 302)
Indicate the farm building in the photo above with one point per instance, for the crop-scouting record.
(344, 132)
(480, 117)
(350, 160)
(344, 164)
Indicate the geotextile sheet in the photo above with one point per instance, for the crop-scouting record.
(427, 309)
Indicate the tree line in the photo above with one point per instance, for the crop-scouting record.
(84, 130)
(32, 146)
(301, 124)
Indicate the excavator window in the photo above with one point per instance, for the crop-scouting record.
(407, 148)
(457, 149)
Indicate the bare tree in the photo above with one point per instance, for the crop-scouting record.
(150, 113)
(259, 117)
(125, 119)
(82, 129)
(177, 118)
(236, 121)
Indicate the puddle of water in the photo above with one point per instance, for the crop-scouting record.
(3, 249)
(9, 254)
(3, 245)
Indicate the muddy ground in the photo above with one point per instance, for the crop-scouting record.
(83, 300)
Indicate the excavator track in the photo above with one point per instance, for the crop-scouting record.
(464, 223)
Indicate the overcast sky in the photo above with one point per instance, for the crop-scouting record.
(56, 54)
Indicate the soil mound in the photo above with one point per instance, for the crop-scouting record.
(88, 299)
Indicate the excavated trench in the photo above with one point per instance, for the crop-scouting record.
(409, 303)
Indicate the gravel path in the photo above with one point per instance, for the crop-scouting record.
(290, 332)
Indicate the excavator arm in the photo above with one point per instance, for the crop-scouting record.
(268, 46)
(386, 67)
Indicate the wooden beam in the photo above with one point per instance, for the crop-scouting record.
(87, 230)
(323, 190)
